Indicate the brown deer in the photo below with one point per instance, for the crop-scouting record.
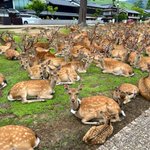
(125, 92)
(35, 71)
(15, 137)
(90, 108)
(67, 75)
(109, 65)
(12, 54)
(144, 85)
(99, 134)
(41, 89)
(5, 47)
(119, 53)
(3, 81)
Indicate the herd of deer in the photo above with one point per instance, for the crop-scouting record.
(116, 49)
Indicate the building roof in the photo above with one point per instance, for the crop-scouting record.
(131, 11)
(147, 10)
(60, 14)
(62, 3)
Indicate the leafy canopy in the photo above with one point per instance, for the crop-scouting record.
(37, 5)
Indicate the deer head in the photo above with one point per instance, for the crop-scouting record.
(73, 94)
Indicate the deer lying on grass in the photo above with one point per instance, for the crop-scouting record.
(5, 47)
(125, 92)
(36, 71)
(67, 75)
(119, 53)
(14, 137)
(12, 54)
(115, 67)
(90, 108)
(99, 134)
(3, 81)
(144, 86)
(41, 89)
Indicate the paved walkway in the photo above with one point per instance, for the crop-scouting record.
(135, 136)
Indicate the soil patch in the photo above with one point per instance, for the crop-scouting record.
(66, 132)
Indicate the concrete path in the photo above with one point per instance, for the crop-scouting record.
(135, 136)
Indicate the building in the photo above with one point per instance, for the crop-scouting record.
(16, 4)
(69, 9)
(134, 15)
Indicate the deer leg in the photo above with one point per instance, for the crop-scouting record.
(85, 121)
(46, 96)
(60, 83)
(106, 71)
(24, 100)
(90, 117)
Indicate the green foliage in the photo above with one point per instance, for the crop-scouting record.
(140, 10)
(97, 13)
(52, 10)
(121, 3)
(148, 5)
(37, 5)
(139, 3)
(122, 17)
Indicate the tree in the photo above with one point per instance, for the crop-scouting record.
(148, 4)
(97, 13)
(113, 2)
(140, 10)
(121, 17)
(37, 5)
(139, 3)
(82, 12)
(52, 10)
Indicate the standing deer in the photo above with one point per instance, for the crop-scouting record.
(15, 137)
(92, 107)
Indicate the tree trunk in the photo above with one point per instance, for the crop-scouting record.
(82, 12)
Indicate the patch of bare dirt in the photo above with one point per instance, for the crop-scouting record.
(66, 132)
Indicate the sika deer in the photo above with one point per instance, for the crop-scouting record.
(5, 47)
(12, 54)
(115, 67)
(14, 137)
(3, 81)
(42, 89)
(125, 92)
(90, 108)
(144, 86)
(67, 75)
(99, 134)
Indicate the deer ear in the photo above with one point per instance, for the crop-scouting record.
(66, 87)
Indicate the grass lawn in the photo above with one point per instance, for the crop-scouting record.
(94, 82)
(52, 119)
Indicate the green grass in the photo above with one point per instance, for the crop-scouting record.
(94, 82)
